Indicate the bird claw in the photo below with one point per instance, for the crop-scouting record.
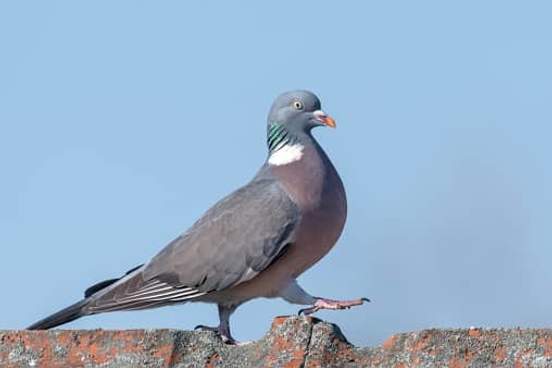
(307, 311)
(206, 328)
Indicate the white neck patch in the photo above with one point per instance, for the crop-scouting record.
(286, 155)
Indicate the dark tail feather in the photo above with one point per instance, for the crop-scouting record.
(68, 314)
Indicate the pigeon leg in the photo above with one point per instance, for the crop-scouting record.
(223, 329)
(323, 303)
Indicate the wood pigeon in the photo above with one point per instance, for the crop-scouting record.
(253, 243)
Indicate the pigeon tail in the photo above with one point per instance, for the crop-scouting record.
(68, 314)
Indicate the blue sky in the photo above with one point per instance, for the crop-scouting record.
(121, 122)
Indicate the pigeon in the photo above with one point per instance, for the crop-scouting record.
(253, 243)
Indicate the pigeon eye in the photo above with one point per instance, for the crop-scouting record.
(298, 105)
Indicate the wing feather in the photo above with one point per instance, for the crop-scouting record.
(235, 240)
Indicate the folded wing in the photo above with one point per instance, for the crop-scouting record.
(231, 243)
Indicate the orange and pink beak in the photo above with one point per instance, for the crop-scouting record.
(325, 119)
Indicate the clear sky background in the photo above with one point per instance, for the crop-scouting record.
(121, 122)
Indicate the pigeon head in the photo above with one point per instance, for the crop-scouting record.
(298, 111)
(292, 116)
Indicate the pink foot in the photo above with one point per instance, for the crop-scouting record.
(322, 303)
